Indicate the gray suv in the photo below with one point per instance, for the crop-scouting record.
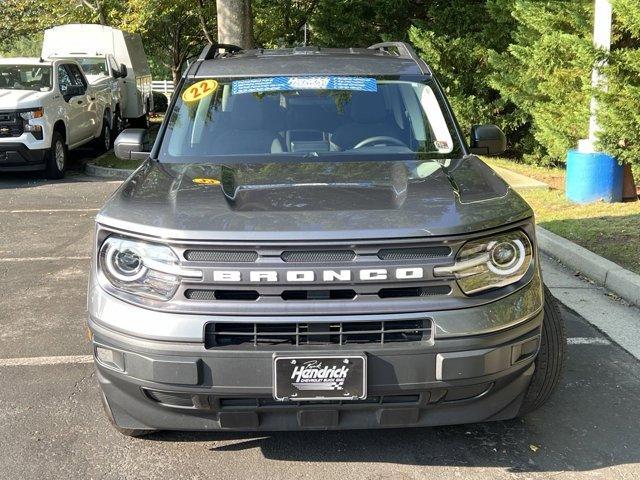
(312, 244)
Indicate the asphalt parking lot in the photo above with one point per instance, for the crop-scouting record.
(52, 424)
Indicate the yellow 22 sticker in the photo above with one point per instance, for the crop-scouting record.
(199, 90)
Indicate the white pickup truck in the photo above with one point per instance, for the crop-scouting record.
(108, 57)
(47, 107)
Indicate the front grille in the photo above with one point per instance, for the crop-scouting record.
(10, 125)
(346, 294)
(222, 256)
(208, 295)
(230, 334)
(414, 291)
(414, 253)
(334, 282)
(318, 256)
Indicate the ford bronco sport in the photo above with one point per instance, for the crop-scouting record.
(312, 244)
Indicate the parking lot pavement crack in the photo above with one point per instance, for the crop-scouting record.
(77, 387)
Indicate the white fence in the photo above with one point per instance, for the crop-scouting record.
(163, 86)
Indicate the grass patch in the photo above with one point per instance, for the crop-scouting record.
(109, 160)
(611, 230)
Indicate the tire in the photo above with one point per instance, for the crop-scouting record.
(57, 157)
(550, 360)
(129, 432)
(103, 142)
(141, 122)
(117, 126)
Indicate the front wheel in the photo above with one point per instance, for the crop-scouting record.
(141, 122)
(117, 125)
(57, 156)
(103, 142)
(550, 360)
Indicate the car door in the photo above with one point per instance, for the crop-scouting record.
(76, 100)
(91, 115)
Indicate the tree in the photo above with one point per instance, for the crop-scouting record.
(279, 23)
(172, 31)
(235, 22)
(20, 20)
(546, 73)
(359, 23)
(619, 104)
(98, 8)
(457, 47)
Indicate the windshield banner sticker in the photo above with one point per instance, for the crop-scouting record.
(278, 84)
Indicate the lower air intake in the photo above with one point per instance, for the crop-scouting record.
(272, 334)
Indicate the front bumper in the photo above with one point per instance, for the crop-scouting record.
(17, 156)
(452, 379)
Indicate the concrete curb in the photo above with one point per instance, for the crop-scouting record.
(106, 172)
(606, 273)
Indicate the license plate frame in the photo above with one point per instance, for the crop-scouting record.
(321, 384)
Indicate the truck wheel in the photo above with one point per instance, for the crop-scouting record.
(129, 432)
(141, 122)
(56, 162)
(551, 357)
(103, 142)
(117, 125)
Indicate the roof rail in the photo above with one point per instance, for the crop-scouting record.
(212, 50)
(404, 50)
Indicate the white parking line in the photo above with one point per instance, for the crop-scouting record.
(40, 259)
(38, 361)
(588, 341)
(52, 210)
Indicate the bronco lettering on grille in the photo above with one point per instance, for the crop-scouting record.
(324, 276)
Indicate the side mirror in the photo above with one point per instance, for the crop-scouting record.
(487, 140)
(132, 144)
(73, 91)
(123, 70)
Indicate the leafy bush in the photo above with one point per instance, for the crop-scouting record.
(160, 102)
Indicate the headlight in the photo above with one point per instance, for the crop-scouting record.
(141, 268)
(31, 114)
(35, 130)
(490, 262)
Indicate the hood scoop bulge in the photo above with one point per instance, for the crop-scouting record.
(315, 186)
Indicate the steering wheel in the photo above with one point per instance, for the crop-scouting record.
(380, 139)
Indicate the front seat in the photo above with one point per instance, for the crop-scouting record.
(369, 117)
(245, 132)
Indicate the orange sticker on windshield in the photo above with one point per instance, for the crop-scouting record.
(206, 181)
(199, 90)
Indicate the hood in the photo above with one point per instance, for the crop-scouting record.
(313, 201)
(18, 99)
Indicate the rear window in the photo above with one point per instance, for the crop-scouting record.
(308, 116)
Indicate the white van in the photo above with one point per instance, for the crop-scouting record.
(108, 53)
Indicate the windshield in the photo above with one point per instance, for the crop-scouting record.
(306, 116)
(25, 77)
(93, 66)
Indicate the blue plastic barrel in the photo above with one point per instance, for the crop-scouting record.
(593, 177)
